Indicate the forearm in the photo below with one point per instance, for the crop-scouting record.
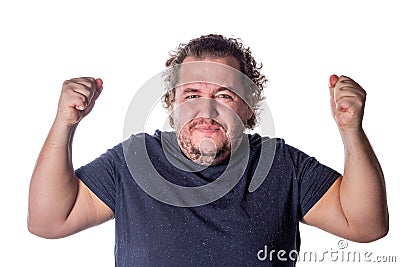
(53, 187)
(362, 191)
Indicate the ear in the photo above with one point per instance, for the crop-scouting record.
(169, 104)
(171, 122)
(250, 112)
(171, 115)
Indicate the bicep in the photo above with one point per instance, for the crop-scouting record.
(327, 214)
(87, 211)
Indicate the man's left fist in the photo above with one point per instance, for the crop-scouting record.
(347, 102)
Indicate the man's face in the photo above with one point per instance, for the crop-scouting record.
(208, 113)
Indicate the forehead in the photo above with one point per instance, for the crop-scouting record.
(228, 61)
(222, 72)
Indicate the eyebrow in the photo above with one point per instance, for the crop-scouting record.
(190, 90)
(194, 90)
(224, 88)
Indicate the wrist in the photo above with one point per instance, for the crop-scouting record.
(352, 138)
(64, 124)
(351, 131)
(62, 131)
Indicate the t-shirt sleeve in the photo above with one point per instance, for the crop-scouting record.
(100, 176)
(314, 179)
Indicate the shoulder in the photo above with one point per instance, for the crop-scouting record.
(257, 141)
(276, 148)
(157, 137)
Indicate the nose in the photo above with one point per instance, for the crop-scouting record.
(208, 108)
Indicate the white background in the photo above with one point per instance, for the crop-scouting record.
(300, 43)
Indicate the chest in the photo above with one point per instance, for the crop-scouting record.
(234, 227)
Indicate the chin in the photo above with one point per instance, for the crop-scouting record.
(205, 152)
(205, 142)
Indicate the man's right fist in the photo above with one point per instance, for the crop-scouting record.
(77, 99)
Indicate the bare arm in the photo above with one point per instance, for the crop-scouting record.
(355, 207)
(59, 203)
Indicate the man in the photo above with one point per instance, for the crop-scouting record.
(209, 106)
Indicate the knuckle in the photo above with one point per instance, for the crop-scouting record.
(66, 84)
(89, 80)
(66, 92)
(85, 91)
(80, 100)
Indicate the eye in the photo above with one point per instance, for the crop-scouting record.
(224, 96)
(191, 96)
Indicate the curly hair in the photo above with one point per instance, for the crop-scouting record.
(218, 46)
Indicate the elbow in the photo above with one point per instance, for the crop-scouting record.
(381, 232)
(39, 231)
(35, 230)
(371, 234)
(42, 230)
(371, 229)
(371, 237)
(43, 233)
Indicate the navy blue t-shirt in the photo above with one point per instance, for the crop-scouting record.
(237, 229)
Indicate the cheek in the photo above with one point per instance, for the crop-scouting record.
(244, 112)
(234, 118)
(181, 116)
